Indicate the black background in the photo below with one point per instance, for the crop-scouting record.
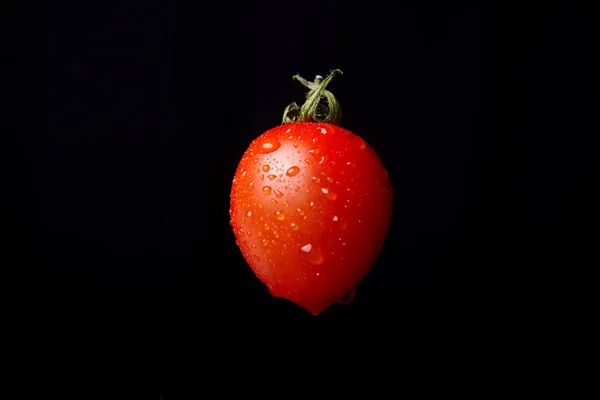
(483, 117)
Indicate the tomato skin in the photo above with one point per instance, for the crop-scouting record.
(311, 205)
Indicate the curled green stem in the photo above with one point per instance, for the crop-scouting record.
(320, 105)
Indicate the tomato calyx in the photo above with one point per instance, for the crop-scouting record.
(320, 105)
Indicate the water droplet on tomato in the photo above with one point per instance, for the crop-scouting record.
(260, 205)
(251, 183)
(269, 145)
(266, 168)
(300, 211)
(280, 215)
(329, 194)
(255, 160)
(294, 226)
(335, 218)
(346, 299)
(267, 227)
(316, 179)
(278, 194)
(361, 143)
(266, 190)
(271, 177)
(286, 204)
(249, 213)
(308, 161)
(323, 131)
(323, 160)
(314, 151)
(297, 188)
(293, 171)
(273, 201)
(244, 173)
(262, 177)
(311, 204)
(312, 254)
(264, 242)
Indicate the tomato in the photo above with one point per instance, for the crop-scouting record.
(311, 205)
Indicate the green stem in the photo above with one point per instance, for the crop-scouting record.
(320, 105)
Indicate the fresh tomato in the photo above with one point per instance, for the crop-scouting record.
(311, 205)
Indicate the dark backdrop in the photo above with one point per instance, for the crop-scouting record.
(483, 118)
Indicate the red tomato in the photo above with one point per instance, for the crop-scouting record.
(311, 205)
